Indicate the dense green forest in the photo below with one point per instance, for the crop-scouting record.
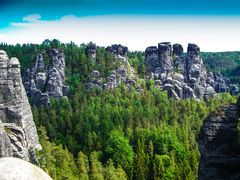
(117, 134)
(226, 63)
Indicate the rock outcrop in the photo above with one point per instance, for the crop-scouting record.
(45, 81)
(124, 73)
(18, 134)
(184, 76)
(17, 169)
(91, 51)
(219, 145)
(118, 50)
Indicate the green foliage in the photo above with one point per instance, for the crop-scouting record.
(83, 166)
(96, 167)
(163, 167)
(225, 62)
(118, 149)
(112, 173)
(56, 160)
(146, 135)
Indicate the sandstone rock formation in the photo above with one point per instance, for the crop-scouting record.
(91, 51)
(184, 76)
(18, 134)
(17, 169)
(219, 145)
(118, 50)
(124, 73)
(45, 81)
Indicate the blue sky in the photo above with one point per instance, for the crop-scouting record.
(136, 23)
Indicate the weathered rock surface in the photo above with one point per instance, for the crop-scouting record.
(5, 144)
(118, 50)
(17, 169)
(45, 81)
(17, 129)
(219, 145)
(189, 78)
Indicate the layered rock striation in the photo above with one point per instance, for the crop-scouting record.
(184, 76)
(45, 81)
(219, 145)
(18, 134)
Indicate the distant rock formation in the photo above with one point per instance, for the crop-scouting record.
(18, 134)
(17, 169)
(219, 145)
(91, 51)
(118, 50)
(184, 76)
(124, 73)
(45, 81)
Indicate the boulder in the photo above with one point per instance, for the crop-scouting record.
(209, 93)
(95, 74)
(17, 169)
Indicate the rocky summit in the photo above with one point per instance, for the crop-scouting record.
(18, 134)
(124, 73)
(45, 81)
(219, 145)
(118, 50)
(184, 75)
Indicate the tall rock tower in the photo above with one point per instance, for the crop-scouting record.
(16, 118)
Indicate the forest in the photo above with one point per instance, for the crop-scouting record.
(120, 133)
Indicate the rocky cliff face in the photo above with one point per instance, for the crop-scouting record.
(219, 145)
(45, 81)
(184, 76)
(18, 134)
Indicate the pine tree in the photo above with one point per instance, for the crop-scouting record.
(96, 168)
(83, 166)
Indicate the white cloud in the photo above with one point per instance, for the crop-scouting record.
(32, 18)
(20, 24)
(3, 36)
(211, 34)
